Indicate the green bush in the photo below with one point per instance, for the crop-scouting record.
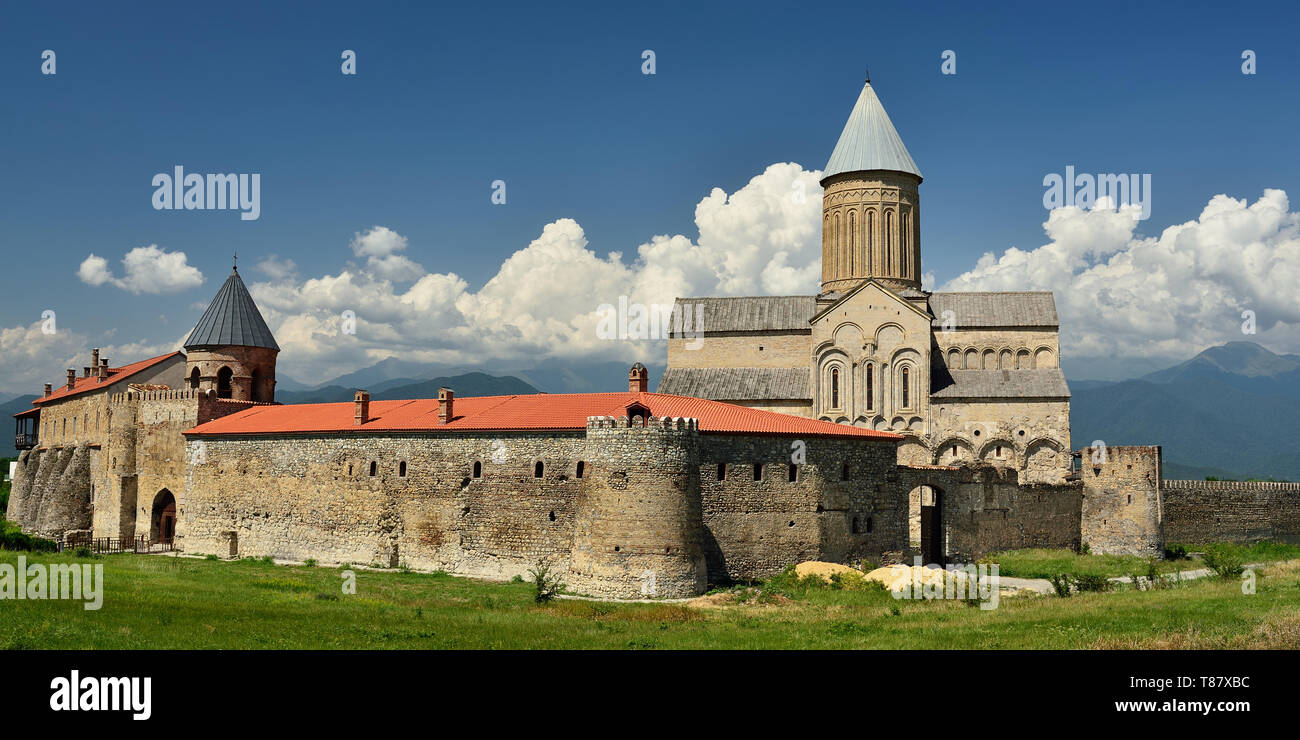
(1092, 582)
(1061, 583)
(1224, 560)
(13, 538)
(1176, 552)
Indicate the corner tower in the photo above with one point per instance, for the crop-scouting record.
(870, 204)
(231, 352)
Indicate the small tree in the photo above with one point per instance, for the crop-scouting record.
(548, 582)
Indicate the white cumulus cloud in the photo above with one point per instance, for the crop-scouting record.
(1157, 299)
(146, 270)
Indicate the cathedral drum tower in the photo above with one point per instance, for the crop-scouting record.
(870, 204)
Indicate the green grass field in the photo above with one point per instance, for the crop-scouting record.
(170, 603)
(1046, 563)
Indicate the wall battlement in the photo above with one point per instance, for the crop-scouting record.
(667, 423)
(1228, 485)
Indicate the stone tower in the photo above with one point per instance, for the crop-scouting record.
(638, 531)
(231, 352)
(870, 204)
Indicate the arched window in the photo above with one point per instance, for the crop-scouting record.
(374, 468)
(582, 468)
(869, 378)
(907, 388)
(758, 471)
(853, 239)
(844, 472)
(871, 238)
(722, 471)
(794, 473)
(837, 247)
(835, 387)
(223, 382)
(905, 242)
(538, 469)
(854, 529)
(401, 469)
(194, 378)
(478, 469)
(889, 242)
(255, 393)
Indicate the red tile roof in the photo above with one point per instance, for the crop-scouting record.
(93, 383)
(542, 411)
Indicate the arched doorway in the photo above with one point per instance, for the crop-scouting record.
(224, 376)
(926, 514)
(162, 526)
(194, 378)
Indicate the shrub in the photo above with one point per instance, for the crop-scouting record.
(1176, 552)
(1061, 583)
(547, 581)
(1224, 560)
(83, 552)
(1092, 582)
(211, 557)
(12, 538)
(268, 560)
(846, 581)
(310, 562)
(1085, 549)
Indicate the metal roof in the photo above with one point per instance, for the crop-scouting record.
(990, 310)
(232, 320)
(977, 384)
(869, 141)
(737, 383)
(750, 313)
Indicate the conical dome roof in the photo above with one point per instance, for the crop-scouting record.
(869, 141)
(232, 320)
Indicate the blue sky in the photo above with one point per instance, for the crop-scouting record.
(550, 98)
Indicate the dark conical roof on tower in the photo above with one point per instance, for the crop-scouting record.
(232, 320)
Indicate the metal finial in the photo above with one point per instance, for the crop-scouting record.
(868, 75)
(235, 267)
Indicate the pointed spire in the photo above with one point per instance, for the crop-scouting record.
(869, 140)
(232, 320)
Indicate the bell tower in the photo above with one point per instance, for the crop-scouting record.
(871, 204)
(231, 351)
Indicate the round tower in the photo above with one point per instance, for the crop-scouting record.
(871, 204)
(639, 530)
(231, 351)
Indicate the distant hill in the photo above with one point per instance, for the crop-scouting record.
(550, 376)
(467, 384)
(1232, 411)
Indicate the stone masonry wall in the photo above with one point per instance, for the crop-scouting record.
(1198, 512)
(1122, 510)
(755, 528)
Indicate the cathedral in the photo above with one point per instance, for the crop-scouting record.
(962, 376)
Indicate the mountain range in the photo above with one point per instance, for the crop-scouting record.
(1231, 411)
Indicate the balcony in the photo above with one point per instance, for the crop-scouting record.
(25, 441)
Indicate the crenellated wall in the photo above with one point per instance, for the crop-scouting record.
(1198, 512)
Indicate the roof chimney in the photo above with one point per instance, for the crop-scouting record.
(445, 398)
(94, 357)
(48, 389)
(103, 369)
(363, 408)
(85, 371)
(72, 378)
(638, 379)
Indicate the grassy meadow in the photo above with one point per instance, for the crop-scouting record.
(160, 602)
